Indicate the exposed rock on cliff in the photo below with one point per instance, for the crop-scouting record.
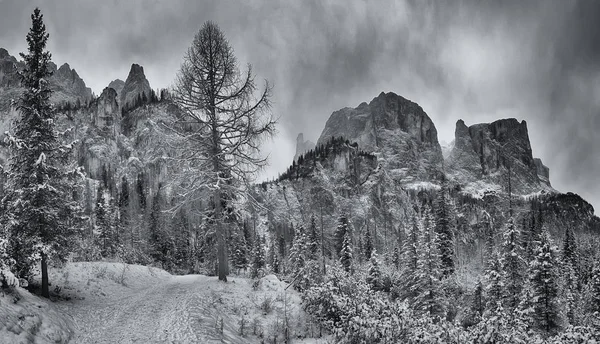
(487, 151)
(135, 86)
(302, 146)
(397, 130)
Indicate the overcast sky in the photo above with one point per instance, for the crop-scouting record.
(475, 60)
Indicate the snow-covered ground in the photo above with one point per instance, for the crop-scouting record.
(120, 303)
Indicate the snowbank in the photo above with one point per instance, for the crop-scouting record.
(26, 318)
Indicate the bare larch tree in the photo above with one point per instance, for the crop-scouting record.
(224, 121)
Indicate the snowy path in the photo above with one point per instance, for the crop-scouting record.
(176, 310)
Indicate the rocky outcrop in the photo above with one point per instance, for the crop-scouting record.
(8, 69)
(396, 128)
(67, 86)
(302, 146)
(105, 112)
(489, 150)
(118, 86)
(543, 171)
(135, 86)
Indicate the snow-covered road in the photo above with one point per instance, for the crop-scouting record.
(176, 310)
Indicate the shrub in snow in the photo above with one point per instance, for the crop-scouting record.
(8, 279)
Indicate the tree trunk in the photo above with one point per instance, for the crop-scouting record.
(221, 243)
(45, 290)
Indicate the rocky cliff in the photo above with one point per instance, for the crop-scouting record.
(397, 130)
(135, 86)
(493, 152)
(302, 146)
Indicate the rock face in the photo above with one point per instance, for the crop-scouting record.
(542, 170)
(135, 85)
(118, 86)
(105, 112)
(396, 128)
(8, 69)
(67, 86)
(488, 150)
(302, 146)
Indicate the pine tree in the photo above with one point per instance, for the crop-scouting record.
(512, 265)
(39, 210)
(495, 287)
(374, 278)
(340, 233)
(346, 253)
(314, 243)
(543, 276)
(298, 252)
(444, 230)
(257, 267)
(427, 286)
(594, 289)
(240, 253)
(368, 244)
(396, 258)
(478, 305)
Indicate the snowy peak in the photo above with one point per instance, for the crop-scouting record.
(135, 86)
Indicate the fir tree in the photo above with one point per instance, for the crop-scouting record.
(594, 289)
(543, 276)
(513, 265)
(396, 258)
(368, 244)
(298, 252)
(340, 233)
(39, 210)
(427, 286)
(314, 243)
(478, 305)
(444, 229)
(240, 253)
(257, 267)
(374, 278)
(346, 253)
(494, 288)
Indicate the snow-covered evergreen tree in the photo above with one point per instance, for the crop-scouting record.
(445, 229)
(340, 233)
(240, 252)
(374, 278)
(314, 241)
(396, 257)
(543, 277)
(427, 285)
(494, 288)
(346, 254)
(368, 244)
(513, 265)
(298, 252)
(40, 212)
(258, 264)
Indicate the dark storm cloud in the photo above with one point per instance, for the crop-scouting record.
(475, 60)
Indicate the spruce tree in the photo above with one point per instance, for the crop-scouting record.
(240, 253)
(543, 277)
(340, 233)
(513, 265)
(40, 212)
(444, 229)
(594, 289)
(257, 267)
(298, 252)
(494, 288)
(346, 253)
(314, 243)
(374, 278)
(427, 285)
(368, 244)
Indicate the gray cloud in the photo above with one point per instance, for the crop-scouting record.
(475, 60)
